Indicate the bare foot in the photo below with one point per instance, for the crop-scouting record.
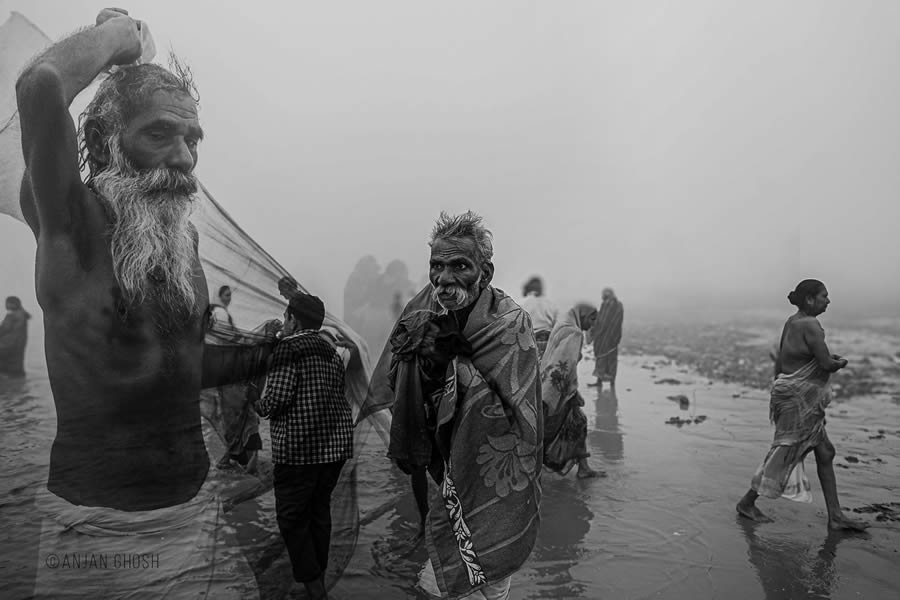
(752, 513)
(842, 523)
(588, 473)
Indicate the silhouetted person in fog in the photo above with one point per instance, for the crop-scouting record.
(13, 338)
(605, 336)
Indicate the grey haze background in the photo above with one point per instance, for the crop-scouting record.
(690, 154)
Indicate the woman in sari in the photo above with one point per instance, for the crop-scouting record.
(227, 407)
(797, 409)
(565, 424)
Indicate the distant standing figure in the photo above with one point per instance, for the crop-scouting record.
(542, 312)
(220, 316)
(606, 335)
(13, 338)
(228, 406)
(797, 408)
(565, 424)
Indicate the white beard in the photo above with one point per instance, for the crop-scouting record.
(152, 243)
(461, 296)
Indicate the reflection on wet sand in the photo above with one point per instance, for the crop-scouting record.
(400, 554)
(561, 547)
(790, 570)
(607, 436)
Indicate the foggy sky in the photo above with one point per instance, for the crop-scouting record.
(683, 153)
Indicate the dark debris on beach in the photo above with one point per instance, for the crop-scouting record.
(887, 511)
(733, 354)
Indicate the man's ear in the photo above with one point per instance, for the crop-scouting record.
(97, 143)
(488, 269)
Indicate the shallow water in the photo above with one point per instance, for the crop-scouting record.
(661, 525)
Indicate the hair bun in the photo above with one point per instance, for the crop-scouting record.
(792, 298)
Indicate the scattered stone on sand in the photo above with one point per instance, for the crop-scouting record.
(627, 389)
(737, 354)
(880, 436)
(735, 395)
(888, 511)
(851, 459)
(668, 381)
(679, 422)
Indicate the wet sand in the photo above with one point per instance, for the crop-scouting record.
(661, 525)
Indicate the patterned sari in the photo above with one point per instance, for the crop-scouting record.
(797, 408)
(565, 424)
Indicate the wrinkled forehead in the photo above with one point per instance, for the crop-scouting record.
(166, 108)
(448, 249)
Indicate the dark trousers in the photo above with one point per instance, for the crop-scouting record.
(303, 508)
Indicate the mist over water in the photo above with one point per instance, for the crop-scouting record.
(708, 156)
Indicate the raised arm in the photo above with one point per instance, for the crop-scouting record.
(814, 336)
(44, 92)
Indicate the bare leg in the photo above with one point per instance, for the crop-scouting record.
(251, 464)
(747, 508)
(825, 466)
(585, 471)
(316, 589)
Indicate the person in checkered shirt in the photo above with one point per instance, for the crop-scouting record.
(312, 436)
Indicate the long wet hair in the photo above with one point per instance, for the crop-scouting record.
(121, 96)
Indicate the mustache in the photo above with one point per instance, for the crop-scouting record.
(460, 293)
(154, 182)
(164, 182)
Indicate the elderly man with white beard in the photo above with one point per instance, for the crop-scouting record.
(125, 312)
(460, 377)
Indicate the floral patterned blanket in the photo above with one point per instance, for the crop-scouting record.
(485, 511)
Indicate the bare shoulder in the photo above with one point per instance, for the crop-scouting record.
(810, 326)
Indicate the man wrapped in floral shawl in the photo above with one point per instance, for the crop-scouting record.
(460, 376)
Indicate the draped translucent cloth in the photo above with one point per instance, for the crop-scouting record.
(229, 257)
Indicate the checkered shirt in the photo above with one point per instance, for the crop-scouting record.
(310, 419)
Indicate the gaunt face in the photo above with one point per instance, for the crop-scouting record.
(454, 273)
(165, 134)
